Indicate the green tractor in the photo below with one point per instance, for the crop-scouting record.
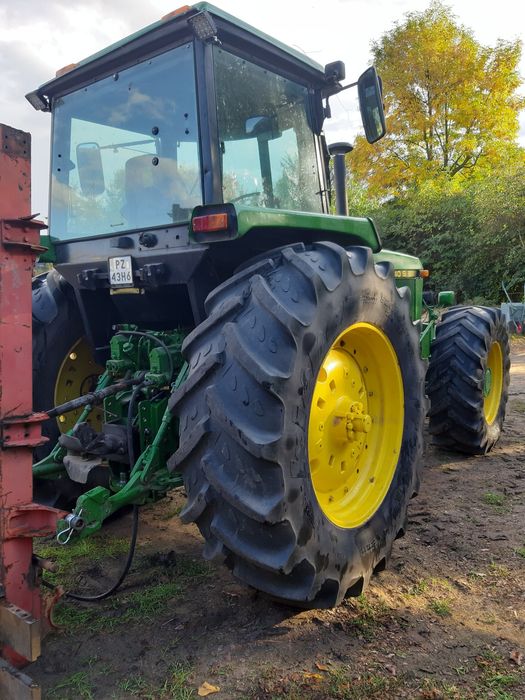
(209, 323)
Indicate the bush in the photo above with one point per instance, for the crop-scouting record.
(471, 237)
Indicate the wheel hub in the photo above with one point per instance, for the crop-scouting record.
(356, 425)
(77, 375)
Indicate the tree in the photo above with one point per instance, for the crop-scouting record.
(499, 252)
(451, 104)
(471, 237)
(437, 224)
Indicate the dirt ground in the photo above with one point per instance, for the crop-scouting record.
(446, 620)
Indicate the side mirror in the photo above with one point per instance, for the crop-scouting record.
(90, 171)
(371, 105)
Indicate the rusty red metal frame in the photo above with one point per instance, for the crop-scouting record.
(22, 606)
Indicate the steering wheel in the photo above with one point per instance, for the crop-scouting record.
(245, 196)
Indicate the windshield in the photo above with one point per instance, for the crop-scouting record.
(266, 139)
(125, 150)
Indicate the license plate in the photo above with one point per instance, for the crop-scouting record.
(121, 271)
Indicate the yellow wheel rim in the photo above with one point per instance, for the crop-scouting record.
(493, 383)
(355, 427)
(77, 375)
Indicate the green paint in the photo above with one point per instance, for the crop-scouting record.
(447, 298)
(400, 261)
(416, 299)
(409, 263)
(257, 220)
(487, 382)
(148, 479)
(425, 340)
(49, 256)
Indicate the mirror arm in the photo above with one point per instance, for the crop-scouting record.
(336, 88)
(345, 87)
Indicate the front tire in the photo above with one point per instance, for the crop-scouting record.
(259, 486)
(468, 379)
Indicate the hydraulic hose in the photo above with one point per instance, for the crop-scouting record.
(93, 398)
(135, 522)
(131, 455)
(125, 568)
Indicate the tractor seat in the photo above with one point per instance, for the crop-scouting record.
(154, 193)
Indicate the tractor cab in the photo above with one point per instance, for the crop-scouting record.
(196, 109)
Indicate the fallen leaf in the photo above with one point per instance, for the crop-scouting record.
(517, 657)
(313, 676)
(391, 669)
(207, 689)
(321, 667)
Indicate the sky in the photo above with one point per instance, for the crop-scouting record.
(37, 38)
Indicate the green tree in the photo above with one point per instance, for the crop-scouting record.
(437, 224)
(471, 237)
(498, 253)
(451, 104)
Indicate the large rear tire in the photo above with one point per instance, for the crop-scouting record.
(301, 422)
(468, 379)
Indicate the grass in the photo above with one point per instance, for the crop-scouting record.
(489, 619)
(521, 552)
(425, 586)
(344, 686)
(494, 499)
(419, 588)
(440, 607)
(492, 685)
(174, 687)
(434, 590)
(136, 685)
(499, 570)
(369, 616)
(138, 606)
(68, 557)
(496, 680)
(338, 684)
(95, 547)
(171, 513)
(77, 685)
(476, 575)
(141, 605)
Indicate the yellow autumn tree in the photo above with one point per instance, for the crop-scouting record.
(451, 104)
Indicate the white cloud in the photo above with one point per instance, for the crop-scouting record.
(38, 38)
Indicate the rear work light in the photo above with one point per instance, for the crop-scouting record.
(208, 223)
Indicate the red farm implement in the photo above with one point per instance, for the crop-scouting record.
(24, 611)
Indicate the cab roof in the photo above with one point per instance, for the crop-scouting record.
(157, 37)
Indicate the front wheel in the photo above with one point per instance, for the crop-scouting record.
(468, 379)
(301, 422)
